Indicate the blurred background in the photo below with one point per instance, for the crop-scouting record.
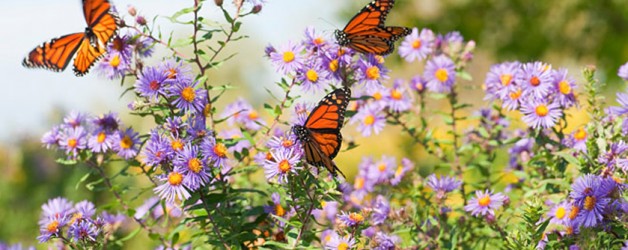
(568, 33)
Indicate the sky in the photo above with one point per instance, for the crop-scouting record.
(29, 96)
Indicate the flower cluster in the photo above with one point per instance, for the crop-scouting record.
(78, 222)
(81, 133)
(539, 92)
(122, 50)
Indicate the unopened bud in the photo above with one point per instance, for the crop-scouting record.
(256, 9)
(218, 2)
(140, 20)
(132, 11)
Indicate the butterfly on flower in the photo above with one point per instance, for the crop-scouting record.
(366, 32)
(88, 46)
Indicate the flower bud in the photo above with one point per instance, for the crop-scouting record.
(132, 11)
(140, 20)
(218, 2)
(256, 9)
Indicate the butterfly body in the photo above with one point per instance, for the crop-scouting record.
(366, 32)
(320, 135)
(88, 46)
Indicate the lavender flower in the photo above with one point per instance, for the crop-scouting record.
(541, 114)
(443, 185)
(351, 219)
(370, 119)
(381, 208)
(288, 58)
(537, 79)
(623, 72)
(83, 230)
(371, 71)
(590, 193)
(192, 167)
(440, 74)
(502, 79)
(172, 187)
(187, 97)
(215, 152)
(336, 242)
(126, 143)
(564, 88)
(485, 202)
(73, 140)
(152, 83)
(398, 100)
(283, 163)
(417, 46)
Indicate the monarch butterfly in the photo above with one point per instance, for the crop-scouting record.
(88, 46)
(320, 135)
(366, 32)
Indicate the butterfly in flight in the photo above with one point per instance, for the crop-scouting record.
(88, 46)
(320, 135)
(366, 32)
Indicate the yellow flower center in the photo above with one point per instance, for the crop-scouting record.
(377, 96)
(284, 166)
(560, 212)
(589, 203)
(416, 44)
(333, 65)
(396, 94)
(380, 59)
(564, 87)
(154, 85)
(195, 165)
(535, 81)
(343, 246)
(53, 226)
(279, 211)
(319, 40)
(253, 115)
(569, 230)
(369, 120)
(220, 150)
(101, 137)
(399, 170)
(441, 75)
(541, 110)
(176, 145)
(172, 73)
(72, 142)
(175, 178)
(188, 94)
(372, 73)
(115, 61)
(419, 86)
(505, 79)
(126, 142)
(580, 134)
(288, 56)
(359, 183)
(514, 95)
(311, 75)
(484, 201)
(287, 143)
(381, 167)
(574, 212)
(207, 110)
(356, 217)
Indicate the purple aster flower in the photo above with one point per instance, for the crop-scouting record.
(284, 162)
(57, 208)
(73, 140)
(541, 114)
(174, 125)
(242, 113)
(83, 210)
(485, 203)
(113, 66)
(276, 208)
(108, 122)
(590, 193)
(440, 74)
(313, 39)
(52, 137)
(153, 207)
(336, 58)
(417, 46)
(577, 140)
(126, 143)
(406, 165)
(384, 169)
(502, 79)
(443, 185)
(51, 227)
(565, 86)
(100, 141)
(269, 49)
(187, 97)
(417, 83)
(537, 79)
(351, 219)
(370, 119)
(75, 119)
(371, 71)
(157, 149)
(622, 99)
(112, 221)
(177, 71)
(398, 100)
(383, 241)
(559, 213)
(197, 126)
(83, 230)
(623, 72)
(152, 83)
(336, 242)
(301, 112)
(215, 152)
(609, 157)
(144, 46)
(312, 77)
(381, 208)
(288, 58)
(285, 140)
(192, 167)
(172, 187)
(329, 210)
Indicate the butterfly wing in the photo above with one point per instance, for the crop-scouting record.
(371, 16)
(86, 56)
(378, 40)
(93, 10)
(55, 54)
(323, 126)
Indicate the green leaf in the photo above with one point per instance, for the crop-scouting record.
(568, 156)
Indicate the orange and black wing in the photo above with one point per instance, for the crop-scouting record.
(102, 25)
(371, 16)
(86, 56)
(55, 54)
(378, 40)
